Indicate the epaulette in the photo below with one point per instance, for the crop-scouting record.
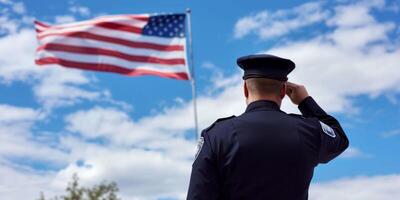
(218, 120)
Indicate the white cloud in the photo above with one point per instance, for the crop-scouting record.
(208, 65)
(17, 140)
(353, 152)
(23, 68)
(140, 174)
(358, 188)
(345, 60)
(13, 17)
(5, 1)
(156, 132)
(153, 157)
(19, 7)
(62, 19)
(16, 114)
(7, 25)
(23, 184)
(391, 133)
(351, 16)
(81, 10)
(59, 87)
(267, 24)
(345, 69)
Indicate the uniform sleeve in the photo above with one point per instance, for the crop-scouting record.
(332, 139)
(204, 178)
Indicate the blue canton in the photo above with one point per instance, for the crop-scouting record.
(168, 26)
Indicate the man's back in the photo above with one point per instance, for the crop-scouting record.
(263, 154)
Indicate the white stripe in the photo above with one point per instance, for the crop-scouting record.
(117, 34)
(112, 46)
(88, 24)
(112, 61)
(124, 19)
(40, 28)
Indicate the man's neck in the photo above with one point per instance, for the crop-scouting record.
(277, 100)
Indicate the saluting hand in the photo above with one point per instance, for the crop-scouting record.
(296, 93)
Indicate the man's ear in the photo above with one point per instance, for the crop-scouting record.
(283, 90)
(246, 92)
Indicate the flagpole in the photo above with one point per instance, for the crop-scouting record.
(192, 74)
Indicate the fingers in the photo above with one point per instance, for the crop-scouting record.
(289, 91)
(292, 85)
(295, 86)
(296, 92)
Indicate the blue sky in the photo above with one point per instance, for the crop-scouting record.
(138, 131)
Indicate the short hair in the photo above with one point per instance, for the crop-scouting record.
(264, 86)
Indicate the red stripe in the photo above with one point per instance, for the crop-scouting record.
(141, 18)
(104, 24)
(136, 17)
(110, 68)
(41, 24)
(108, 52)
(119, 27)
(134, 44)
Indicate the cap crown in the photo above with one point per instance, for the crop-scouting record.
(265, 66)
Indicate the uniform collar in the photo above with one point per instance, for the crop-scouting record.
(262, 105)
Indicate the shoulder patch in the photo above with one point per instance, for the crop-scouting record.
(327, 130)
(218, 120)
(200, 143)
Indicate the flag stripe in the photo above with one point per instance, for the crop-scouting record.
(135, 44)
(140, 21)
(107, 52)
(101, 59)
(112, 46)
(120, 27)
(107, 25)
(41, 24)
(111, 68)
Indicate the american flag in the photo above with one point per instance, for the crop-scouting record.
(132, 45)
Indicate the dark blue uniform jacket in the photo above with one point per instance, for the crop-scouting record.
(265, 153)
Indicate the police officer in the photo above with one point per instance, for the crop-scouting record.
(265, 153)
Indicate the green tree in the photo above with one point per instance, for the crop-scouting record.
(102, 191)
